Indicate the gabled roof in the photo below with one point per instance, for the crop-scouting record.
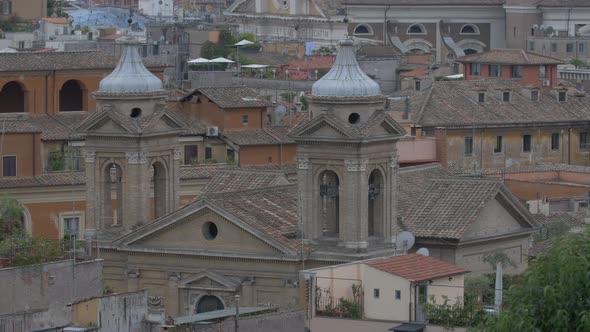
(75, 60)
(240, 179)
(416, 267)
(270, 135)
(509, 57)
(131, 126)
(56, 20)
(230, 97)
(52, 127)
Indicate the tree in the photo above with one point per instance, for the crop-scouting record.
(577, 63)
(555, 295)
(11, 212)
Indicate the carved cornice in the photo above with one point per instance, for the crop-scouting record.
(356, 165)
(136, 158)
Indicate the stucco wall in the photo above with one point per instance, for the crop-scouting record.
(386, 307)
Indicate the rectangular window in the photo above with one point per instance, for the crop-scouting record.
(476, 69)
(526, 143)
(581, 47)
(6, 10)
(9, 166)
(534, 95)
(569, 47)
(542, 71)
(245, 119)
(498, 145)
(398, 294)
(231, 155)
(376, 293)
(495, 71)
(144, 51)
(553, 47)
(517, 71)
(208, 153)
(562, 96)
(191, 154)
(481, 97)
(71, 227)
(156, 49)
(468, 146)
(417, 85)
(506, 96)
(413, 131)
(584, 142)
(531, 46)
(555, 141)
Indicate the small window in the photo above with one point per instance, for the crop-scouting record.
(144, 50)
(354, 118)
(581, 47)
(413, 131)
(562, 96)
(469, 29)
(506, 96)
(156, 49)
(468, 146)
(191, 154)
(517, 71)
(555, 141)
(245, 119)
(569, 47)
(526, 143)
(553, 47)
(270, 160)
(135, 113)
(6, 8)
(362, 30)
(9, 166)
(71, 228)
(231, 155)
(495, 71)
(398, 294)
(417, 85)
(498, 145)
(481, 97)
(476, 69)
(534, 95)
(376, 293)
(210, 230)
(531, 46)
(542, 71)
(584, 141)
(416, 29)
(208, 153)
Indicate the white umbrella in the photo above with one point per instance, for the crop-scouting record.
(255, 66)
(8, 50)
(199, 60)
(221, 60)
(243, 42)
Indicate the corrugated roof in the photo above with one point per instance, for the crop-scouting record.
(416, 267)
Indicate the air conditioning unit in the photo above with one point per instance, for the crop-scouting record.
(546, 82)
(212, 131)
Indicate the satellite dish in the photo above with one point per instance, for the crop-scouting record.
(542, 27)
(423, 252)
(404, 240)
(549, 30)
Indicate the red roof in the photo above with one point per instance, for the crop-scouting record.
(415, 73)
(56, 20)
(114, 36)
(416, 267)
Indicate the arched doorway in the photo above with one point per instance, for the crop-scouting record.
(329, 203)
(12, 98)
(208, 303)
(375, 217)
(112, 209)
(160, 189)
(72, 97)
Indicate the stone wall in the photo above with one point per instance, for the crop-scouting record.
(292, 321)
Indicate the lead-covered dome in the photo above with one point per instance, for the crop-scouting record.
(130, 76)
(345, 78)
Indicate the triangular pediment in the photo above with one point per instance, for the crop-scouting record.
(389, 126)
(163, 123)
(191, 229)
(208, 280)
(107, 124)
(323, 127)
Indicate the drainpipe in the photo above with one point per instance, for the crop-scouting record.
(569, 146)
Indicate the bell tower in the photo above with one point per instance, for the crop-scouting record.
(347, 160)
(131, 152)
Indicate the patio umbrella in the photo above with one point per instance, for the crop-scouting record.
(243, 42)
(221, 60)
(199, 60)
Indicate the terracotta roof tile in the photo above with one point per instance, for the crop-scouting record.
(56, 20)
(415, 73)
(231, 97)
(509, 57)
(239, 179)
(416, 267)
(267, 136)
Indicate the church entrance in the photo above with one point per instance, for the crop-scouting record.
(209, 303)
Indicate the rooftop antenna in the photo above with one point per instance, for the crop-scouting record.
(404, 241)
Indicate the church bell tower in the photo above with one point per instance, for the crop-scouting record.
(347, 160)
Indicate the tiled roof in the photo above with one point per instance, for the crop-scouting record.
(45, 179)
(270, 135)
(285, 169)
(78, 60)
(541, 167)
(56, 20)
(52, 127)
(415, 73)
(447, 207)
(454, 104)
(569, 219)
(564, 3)
(231, 97)
(425, 2)
(414, 180)
(192, 125)
(239, 179)
(509, 57)
(272, 211)
(416, 267)
(314, 62)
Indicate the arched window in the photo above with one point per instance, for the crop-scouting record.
(71, 97)
(12, 98)
(470, 51)
(469, 29)
(363, 29)
(329, 203)
(160, 190)
(112, 194)
(208, 303)
(416, 29)
(376, 196)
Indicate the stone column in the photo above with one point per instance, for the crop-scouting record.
(136, 190)
(306, 194)
(354, 204)
(92, 198)
(391, 227)
(175, 180)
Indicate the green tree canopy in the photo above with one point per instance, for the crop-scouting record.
(555, 295)
(11, 212)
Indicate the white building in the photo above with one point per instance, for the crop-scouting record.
(157, 8)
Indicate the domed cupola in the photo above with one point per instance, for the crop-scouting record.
(131, 76)
(346, 79)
